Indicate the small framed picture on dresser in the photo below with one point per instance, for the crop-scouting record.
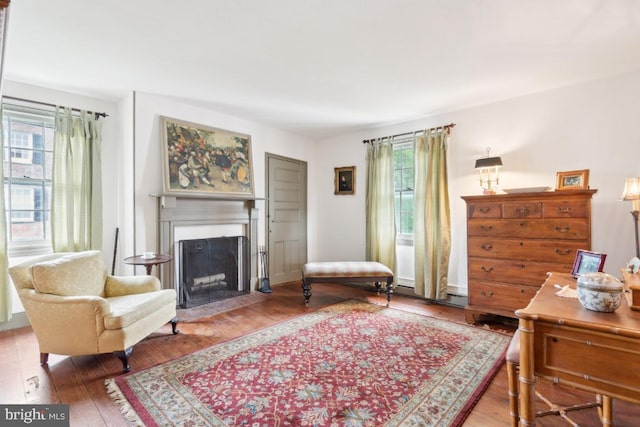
(572, 180)
(587, 262)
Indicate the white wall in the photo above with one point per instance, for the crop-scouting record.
(147, 174)
(588, 126)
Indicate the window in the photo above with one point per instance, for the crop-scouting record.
(403, 174)
(24, 140)
(27, 161)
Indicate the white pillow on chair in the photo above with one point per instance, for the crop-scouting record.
(81, 273)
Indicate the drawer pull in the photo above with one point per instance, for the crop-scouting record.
(486, 227)
(522, 211)
(489, 294)
(563, 252)
(562, 229)
(566, 209)
(484, 209)
(486, 270)
(486, 247)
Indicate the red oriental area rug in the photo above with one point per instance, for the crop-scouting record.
(351, 364)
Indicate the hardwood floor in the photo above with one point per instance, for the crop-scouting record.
(79, 381)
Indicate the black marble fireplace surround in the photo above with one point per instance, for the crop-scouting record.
(213, 269)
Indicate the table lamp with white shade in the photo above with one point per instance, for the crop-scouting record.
(632, 192)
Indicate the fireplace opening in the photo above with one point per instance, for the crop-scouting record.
(213, 269)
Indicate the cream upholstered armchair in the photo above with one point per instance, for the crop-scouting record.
(76, 308)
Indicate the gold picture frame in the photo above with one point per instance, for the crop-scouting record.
(203, 160)
(344, 180)
(572, 180)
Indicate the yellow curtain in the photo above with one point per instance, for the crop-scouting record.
(76, 194)
(432, 218)
(380, 211)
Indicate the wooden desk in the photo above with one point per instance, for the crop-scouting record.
(148, 262)
(562, 341)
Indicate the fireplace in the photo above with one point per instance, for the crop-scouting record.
(213, 269)
(184, 220)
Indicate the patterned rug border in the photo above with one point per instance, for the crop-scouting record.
(131, 412)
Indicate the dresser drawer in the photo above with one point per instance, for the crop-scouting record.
(512, 271)
(484, 210)
(522, 210)
(556, 251)
(565, 209)
(572, 354)
(499, 295)
(569, 228)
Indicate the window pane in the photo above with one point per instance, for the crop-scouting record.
(48, 138)
(407, 179)
(48, 164)
(47, 196)
(403, 184)
(28, 141)
(404, 224)
(407, 158)
(397, 159)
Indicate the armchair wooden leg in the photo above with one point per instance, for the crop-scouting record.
(44, 358)
(174, 325)
(124, 358)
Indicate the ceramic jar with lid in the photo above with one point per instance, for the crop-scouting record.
(599, 291)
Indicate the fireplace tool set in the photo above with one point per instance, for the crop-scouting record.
(265, 286)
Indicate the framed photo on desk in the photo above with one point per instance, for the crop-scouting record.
(587, 262)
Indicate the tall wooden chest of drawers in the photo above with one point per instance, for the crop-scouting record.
(513, 240)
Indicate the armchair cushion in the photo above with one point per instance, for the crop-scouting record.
(81, 273)
(128, 309)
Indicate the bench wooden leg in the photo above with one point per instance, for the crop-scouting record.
(389, 291)
(306, 292)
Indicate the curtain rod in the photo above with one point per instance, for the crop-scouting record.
(13, 98)
(445, 127)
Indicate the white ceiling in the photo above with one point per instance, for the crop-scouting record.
(321, 67)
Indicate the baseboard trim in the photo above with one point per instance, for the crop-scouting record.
(18, 320)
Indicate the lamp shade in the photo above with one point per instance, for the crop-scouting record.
(488, 162)
(632, 191)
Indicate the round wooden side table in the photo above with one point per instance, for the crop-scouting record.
(148, 262)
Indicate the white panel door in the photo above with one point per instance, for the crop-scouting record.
(287, 218)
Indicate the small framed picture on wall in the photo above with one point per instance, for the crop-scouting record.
(344, 180)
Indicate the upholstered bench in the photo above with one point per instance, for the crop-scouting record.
(346, 272)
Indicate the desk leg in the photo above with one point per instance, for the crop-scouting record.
(606, 412)
(527, 374)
